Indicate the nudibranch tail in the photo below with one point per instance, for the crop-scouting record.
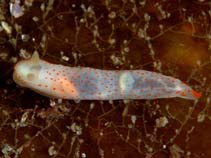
(58, 81)
(196, 95)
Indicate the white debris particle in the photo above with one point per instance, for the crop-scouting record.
(32, 147)
(18, 27)
(161, 27)
(126, 101)
(7, 28)
(76, 128)
(3, 56)
(19, 150)
(16, 10)
(25, 37)
(146, 17)
(82, 20)
(112, 15)
(101, 153)
(52, 103)
(6, 149)
(24, 54)
(125, 41)
(83, 155)
(126, 49)
(42, 7)
(133, 119)
(35, 18)
(125, 111)
(176, 151)
(52, 151)
(190, 19)
(142, 3)
(188, 153)
(28, 2)
(43, 41)
(116, 60)
(201, 117)
(92, 105)
(27, 136)
(73, 5)
(24, 117)
(111, 41)
(134, 25)
(101, 133)
(60, 101)
(157, 65)
(163, 13)
(177, 131)
(6, 113)
(65, 58)
(150, 149)
(141, 33)
(111, 102)
(139, 140)
(107, 124)
(75, 56)
(208, 100)
(130, 126)
(161, 122)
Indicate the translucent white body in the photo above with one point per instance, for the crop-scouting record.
(58, 81)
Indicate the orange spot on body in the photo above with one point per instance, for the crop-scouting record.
(183, 94)
(178, 92)
(67, 87)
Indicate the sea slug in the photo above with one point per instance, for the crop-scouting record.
(82, 83)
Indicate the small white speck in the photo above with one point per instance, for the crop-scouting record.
(200, 117)
(73, 5)
(52, 151)
(83, 155)
(24, 54)
(6, 149)
(76, 128)
(65, 58)
(133, 119)
(35, 18)
(92, 105)
(161, 122)
(112, 15)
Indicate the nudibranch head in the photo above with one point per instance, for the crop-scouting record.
(27, 71)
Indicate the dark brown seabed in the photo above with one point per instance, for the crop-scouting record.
(171, 37)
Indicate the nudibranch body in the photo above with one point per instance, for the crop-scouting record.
(81, 83)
